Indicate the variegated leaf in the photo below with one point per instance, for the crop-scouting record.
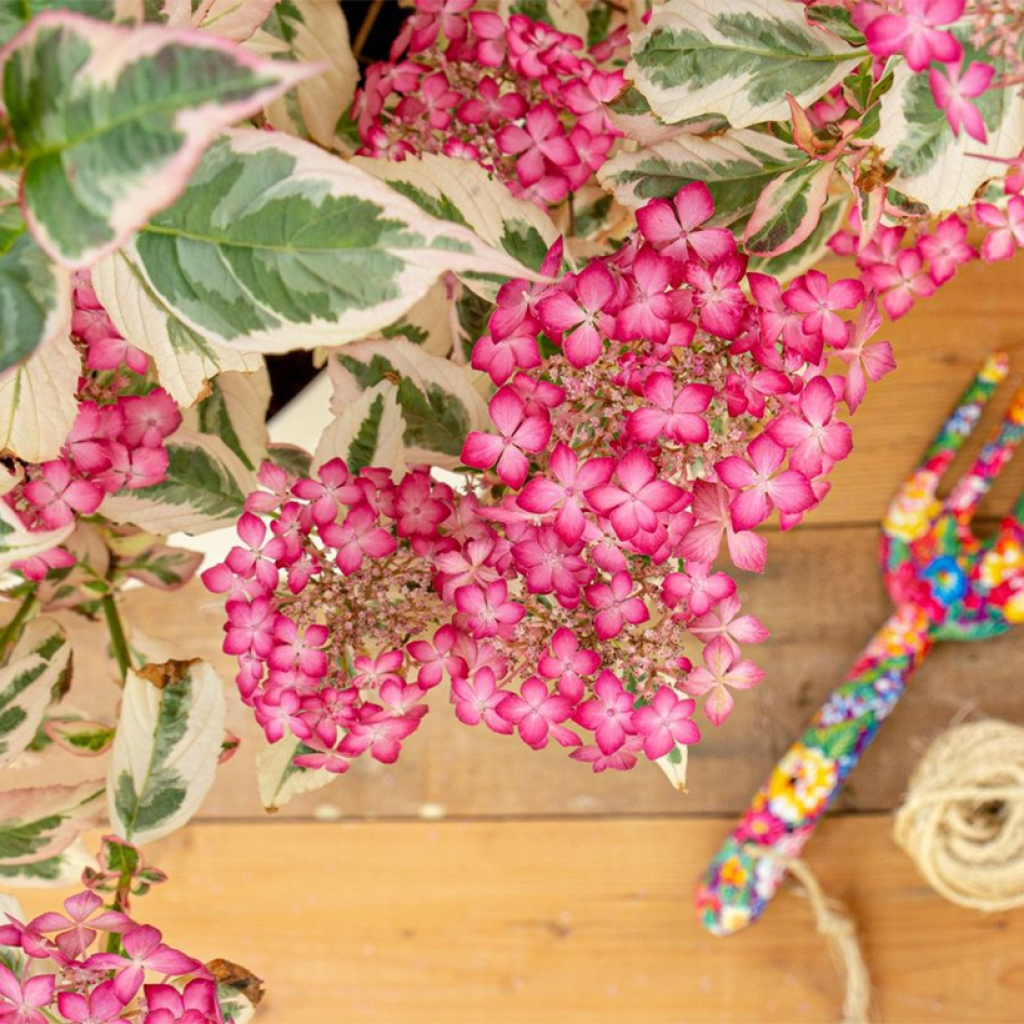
(737, 167)
(35, 293)
(165, 749)
(37, 401)
(802, 257)
(37, 674)
(369, 432)
(277, 245)
(932, 165)
(735, 59)
(314, 32)
(465, 194)
(38, 824)
(236, 411)
(788, 210)
(16, 542)
(437, 397)
(236, 20)
(14, 16)
(432, 323)
(279, 780)
(205, 489)
(109, 121)
(565, 15)
(79, 736)
(64, 868)
(185, 361)
(673, 764)
(162, 567)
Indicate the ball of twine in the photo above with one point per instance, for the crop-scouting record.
(962, 822)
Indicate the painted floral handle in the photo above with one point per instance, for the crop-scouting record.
(785, 810)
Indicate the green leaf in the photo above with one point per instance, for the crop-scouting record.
(439, 400)
(313, 32)
(165, 749)
(293, 459)
(931, 164)
(277, 245)
(205, 489)
(737, 167)
(37, 824)
(802, 257)
(109, 121)
(185, 361)
(737, 60)
(37, 674)
(788, 210)
(369, 432)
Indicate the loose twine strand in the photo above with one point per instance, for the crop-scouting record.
(961, 823)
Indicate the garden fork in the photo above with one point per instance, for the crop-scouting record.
(946, 584)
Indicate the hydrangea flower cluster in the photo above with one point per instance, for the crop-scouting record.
(918, 30)
(56, 974)
(319, 608)
(520, 98)
(646, 412)
(910, 262)
(116, 442)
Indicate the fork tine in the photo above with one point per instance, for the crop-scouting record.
(968, 491)
(964, 417)
(912, 505)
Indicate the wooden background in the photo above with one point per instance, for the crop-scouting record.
(479, 881)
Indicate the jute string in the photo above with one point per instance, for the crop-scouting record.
(961, 823)
(835, 924)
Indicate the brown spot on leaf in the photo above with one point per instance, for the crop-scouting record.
(241, 979)
(167, 674)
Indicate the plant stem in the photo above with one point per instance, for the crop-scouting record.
(13, 628)
(117, 637)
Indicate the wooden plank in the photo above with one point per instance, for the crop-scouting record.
(938, 346)
(822, 597)
(562, 921)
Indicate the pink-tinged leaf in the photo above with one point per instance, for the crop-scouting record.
(788, 210)
(80, 736)
(88, 181)
(52, 815)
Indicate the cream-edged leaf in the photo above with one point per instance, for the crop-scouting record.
(439, 403)
(39, 823)
(314, 32)
(205, 489)
(279, 780)
(166, 748)
(735, 59)
(737, 167)
(36, 675)
(369, 432)
(933, 166)
(37, 401)
(236, 411)
(277, 245)
(109, 122)
(463, 193)
(185, 361)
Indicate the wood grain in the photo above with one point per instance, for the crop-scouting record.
(556, 921)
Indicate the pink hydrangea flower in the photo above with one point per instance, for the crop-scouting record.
(520, 433)
(536, 713)
(816, 440)
(666, 721)
(761, 487)
(914, 33)
(953, 92)
(723, 670)
(57, 495)
(616, 605)
(609, 714)
(1008, 234)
